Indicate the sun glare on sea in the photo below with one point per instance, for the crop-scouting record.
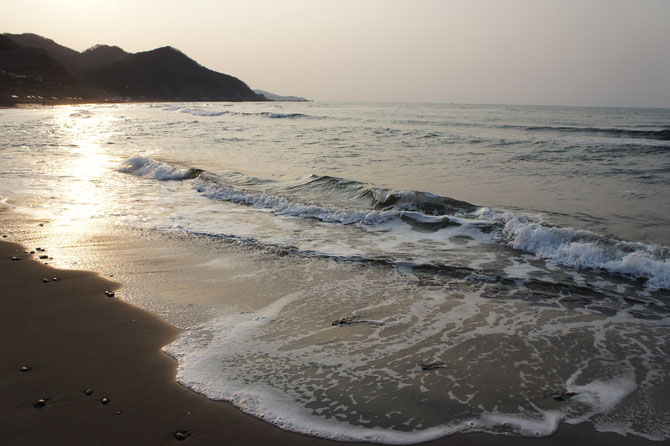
(84, 137)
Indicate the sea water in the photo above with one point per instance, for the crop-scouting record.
(417, 269)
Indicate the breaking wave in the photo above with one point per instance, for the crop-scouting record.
(662, 135)
(284, 115)
(148, 168)
(336, 200)
(195, 111)
(280, 205)
(583, 249)
(200, 112)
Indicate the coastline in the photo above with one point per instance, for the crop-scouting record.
(75, 338)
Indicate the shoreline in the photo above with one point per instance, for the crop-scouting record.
(73, 338)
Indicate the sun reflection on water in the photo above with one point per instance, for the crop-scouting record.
(85, 167)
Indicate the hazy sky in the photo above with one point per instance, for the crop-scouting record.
(573, 52)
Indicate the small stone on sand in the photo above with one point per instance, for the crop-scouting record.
(26, 368)
(181, 436)
(40, 403)
(88, 392)
(109, 293)
(46, 280)
(105, 401)
(432, 365)
(44, 257)
(16, 259)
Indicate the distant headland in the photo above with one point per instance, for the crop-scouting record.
(276, 97)
(34, 69)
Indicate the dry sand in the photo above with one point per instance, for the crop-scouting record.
(73, 337)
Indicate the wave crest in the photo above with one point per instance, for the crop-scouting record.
(584, 249)
(283, 115)
(336, 200)
(148, 168)
(661, 135)
(280, 205)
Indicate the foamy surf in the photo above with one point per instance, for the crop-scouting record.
(148, 168)
(440, 219)
(250, 358)
(584, 249)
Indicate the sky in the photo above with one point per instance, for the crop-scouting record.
(548, 52)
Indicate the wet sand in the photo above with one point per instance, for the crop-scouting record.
(71, 337)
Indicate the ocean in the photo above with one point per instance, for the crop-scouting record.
(377, 272)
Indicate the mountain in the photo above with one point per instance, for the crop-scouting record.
(167, 73)
(100, 55)
(104, 72)
(276, 97)
(68, 58)
(33, 72)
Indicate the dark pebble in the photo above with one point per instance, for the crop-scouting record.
(181, 436)
(26, 368)
(39, 250)
(40, 224)
(342, 321)
(44, 257)
(56, 279)
(46, 280)
(105, 401)
(32, 252)
(16, 259)
(40, 403)
(4, 236)
(88, 392)
(432, 365)
(109, 293)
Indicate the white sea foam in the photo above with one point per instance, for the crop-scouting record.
(602, 395)
(582, 249)
(523, 425)
(280, 205)
(284, 115)
(201, 112)
(212, 359)
(148, 168)
(199, 352)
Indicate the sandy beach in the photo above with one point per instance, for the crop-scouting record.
(68, 346)
(71, 337)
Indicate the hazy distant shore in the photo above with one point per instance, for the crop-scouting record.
(71, 337)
